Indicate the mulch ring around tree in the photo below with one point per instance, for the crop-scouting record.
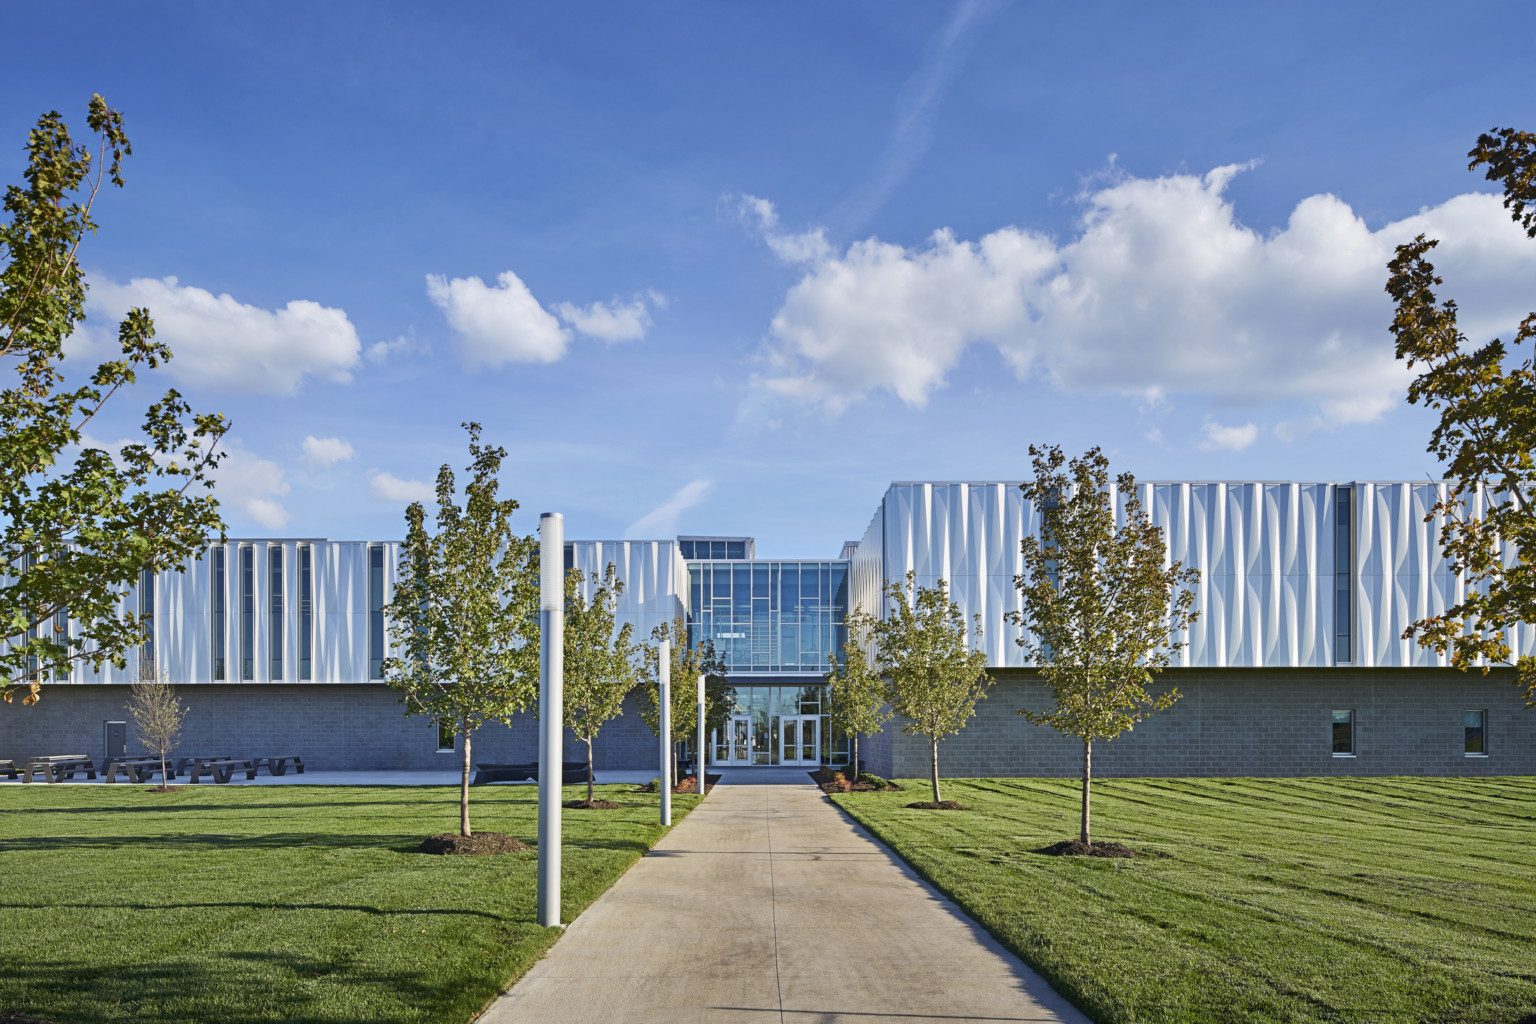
(11, 1018)
(480, 842)
(593, 805)
(1078, 848)
(147, 789)
(942, 805)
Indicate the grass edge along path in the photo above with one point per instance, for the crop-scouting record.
(1262, 900)
(285, 903)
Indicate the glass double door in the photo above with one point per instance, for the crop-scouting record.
(747, 741)
(800, 739)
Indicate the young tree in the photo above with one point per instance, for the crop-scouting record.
(934, 676)
(1486, 436)
(1103, 611)
(857, 697)
(157, 717)
(77, 537)
(464, 619)
(688, 663)
(601, 664)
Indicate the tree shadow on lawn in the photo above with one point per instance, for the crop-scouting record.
(255, 905)
(246, 988)
(396, 842)
(223, 808)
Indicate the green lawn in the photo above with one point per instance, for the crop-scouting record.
(282, 903)
(1266, 899)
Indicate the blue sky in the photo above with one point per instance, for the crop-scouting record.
(732, 268)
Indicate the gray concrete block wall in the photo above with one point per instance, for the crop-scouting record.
(1267, 722)
(331, 726)
(1274, 722)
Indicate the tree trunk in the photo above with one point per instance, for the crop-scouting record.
(165, 783)
(935, 769)
(1087, 776)
(464, 782)
(590, 780)
(855, 757)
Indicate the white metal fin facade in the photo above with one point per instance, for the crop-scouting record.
(1265, 552)
(183, 616)
(654, 574)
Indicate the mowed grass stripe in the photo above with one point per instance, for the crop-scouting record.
(1278, 900)
(294, 904)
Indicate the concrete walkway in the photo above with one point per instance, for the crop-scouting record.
(748, 911)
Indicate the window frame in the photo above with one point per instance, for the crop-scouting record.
(1354, 732)
(453, 738)
(1482, 729)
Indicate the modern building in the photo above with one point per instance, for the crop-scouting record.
(1297, 665)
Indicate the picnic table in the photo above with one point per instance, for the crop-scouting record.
(58, 767)
(9, 767)
(571, 773)
(183, 763)
(137, 769)
(222, 770)
(279, 765)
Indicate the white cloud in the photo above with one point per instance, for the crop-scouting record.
(325, 452)
(501, 324)
(1161, 292)
(252, 485)
(243, 482)
(222, 343)
(609, 321)
(1229, 439)
(661, 521)
(387, 487)
(381, 352)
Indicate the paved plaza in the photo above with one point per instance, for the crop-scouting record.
(767, 904)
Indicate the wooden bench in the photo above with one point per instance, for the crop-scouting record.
(137, 769)
(58, 767)
(9, 767)
(279, 765)
(222, 770)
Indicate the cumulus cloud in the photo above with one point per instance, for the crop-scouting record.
(325, 452)
(220, 342)
(609, 321)
(504, 323)
(388, 487)
(381, 352)
(252, 485)
(1229, 439)
(661, 521)
(501, 323)
(1161, 291)
(246, 483)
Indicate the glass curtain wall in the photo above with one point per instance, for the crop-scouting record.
(754, 735)
(770, 616)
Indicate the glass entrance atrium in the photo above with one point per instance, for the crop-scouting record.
(777, 724)
(770, 616)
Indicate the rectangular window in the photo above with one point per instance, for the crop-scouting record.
(275, 611)
(216, 618)
(1341, 575)
(1343, 734)
(147, 611)
(306, 612)
(444, 737)
(247, 612)
(570, 557)
(376, 611)
(1474, 733)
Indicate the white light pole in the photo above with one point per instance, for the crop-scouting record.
(551, 710)
(664, 677)
(699, 762)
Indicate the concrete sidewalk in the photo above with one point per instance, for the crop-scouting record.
(748, 912)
